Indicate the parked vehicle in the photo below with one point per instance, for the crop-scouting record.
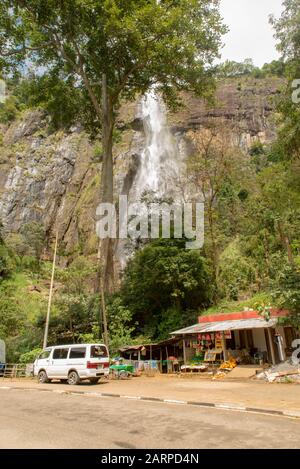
(122, 371)
(72, 363)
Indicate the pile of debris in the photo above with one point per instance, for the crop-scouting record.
(283, 372)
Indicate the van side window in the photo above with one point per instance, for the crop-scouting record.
(78, 352)
(44, 355)
(98, 351)
(60, 353)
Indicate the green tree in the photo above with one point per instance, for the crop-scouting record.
(287, 293)
(34, 237)
(237, 272)
(287, 33)
(114, 50)
(6, 265)
(29, 357)
(163, 276)
(215, 173)
(230, 68)
(120, 328)
(8, 110)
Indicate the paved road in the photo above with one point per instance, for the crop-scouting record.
(34, 419)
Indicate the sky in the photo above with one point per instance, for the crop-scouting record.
(250, 35)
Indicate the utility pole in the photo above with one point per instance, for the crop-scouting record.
(50, 294)
(103, 318)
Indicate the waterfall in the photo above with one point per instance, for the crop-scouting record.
(160, 158)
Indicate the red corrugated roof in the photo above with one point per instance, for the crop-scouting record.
(240, 315)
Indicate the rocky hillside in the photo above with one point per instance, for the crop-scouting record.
(53, 178)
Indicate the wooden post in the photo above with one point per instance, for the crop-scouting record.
(50, 294)
(167, 359)
(184, 352)
(271, 346)
(161, 359)
(224, 346)
(102, 315)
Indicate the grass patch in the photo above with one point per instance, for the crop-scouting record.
(260, 299)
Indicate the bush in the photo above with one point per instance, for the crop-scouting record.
(6, 262)
(237, 272)
(29, 357)
(8, 110)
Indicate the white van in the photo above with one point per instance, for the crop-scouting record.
(72, 363)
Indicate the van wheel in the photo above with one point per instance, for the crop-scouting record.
(73, 378)
(42, 377)
(94, 380)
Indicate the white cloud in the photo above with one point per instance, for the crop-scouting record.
(250, 35)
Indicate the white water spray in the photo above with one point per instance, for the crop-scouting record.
(160, 162)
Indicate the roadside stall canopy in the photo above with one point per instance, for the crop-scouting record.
(227, 326)
(153, 346)
(163, 354)
(213, 333)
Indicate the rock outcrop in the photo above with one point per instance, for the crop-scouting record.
(54, 179)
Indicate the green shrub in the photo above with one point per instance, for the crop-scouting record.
(29, 357)
(8, 110)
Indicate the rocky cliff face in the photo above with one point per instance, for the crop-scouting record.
(54, 178)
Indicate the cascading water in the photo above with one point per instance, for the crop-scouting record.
(160, 160)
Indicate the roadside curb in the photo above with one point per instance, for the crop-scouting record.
(211, 405)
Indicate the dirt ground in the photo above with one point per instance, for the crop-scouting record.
(244, 392)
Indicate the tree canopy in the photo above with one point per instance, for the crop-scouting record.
(136, 44)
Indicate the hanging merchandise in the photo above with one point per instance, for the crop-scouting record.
(218, 343)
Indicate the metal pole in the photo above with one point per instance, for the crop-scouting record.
(102, 294)
(50, 294)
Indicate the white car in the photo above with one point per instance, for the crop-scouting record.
(72, 363)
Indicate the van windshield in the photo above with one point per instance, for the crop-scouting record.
(44, 354)
(98, 351)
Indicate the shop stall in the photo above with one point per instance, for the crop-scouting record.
(245, 336)
(165, 356)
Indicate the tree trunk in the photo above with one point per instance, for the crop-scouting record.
(106, 245)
